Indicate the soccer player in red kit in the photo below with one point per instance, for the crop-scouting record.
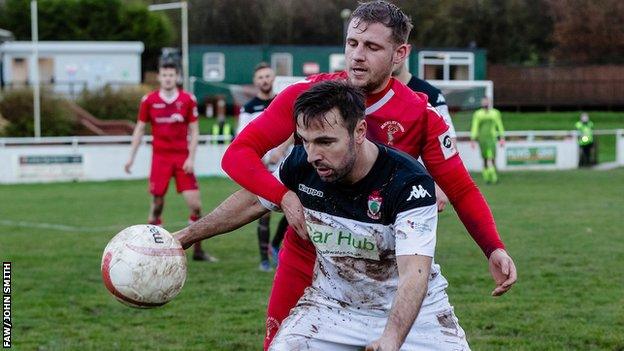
(376, 41)
(172, 113)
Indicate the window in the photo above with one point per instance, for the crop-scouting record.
(19, 71)
(214, 67)
(281, 62)
(441, 65)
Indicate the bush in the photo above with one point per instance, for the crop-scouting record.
(110, 103)
(16, 106)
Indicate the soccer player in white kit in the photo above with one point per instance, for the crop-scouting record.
(371, 214)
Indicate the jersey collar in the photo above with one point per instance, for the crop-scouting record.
(375, 101)
(173, 98)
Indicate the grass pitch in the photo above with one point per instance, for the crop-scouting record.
(564, 230)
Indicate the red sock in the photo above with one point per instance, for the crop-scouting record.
(156, 221)
(193, 218)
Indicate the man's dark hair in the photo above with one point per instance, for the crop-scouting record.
(167, 65)
(387, 14)
(323, 97)
(261, 65)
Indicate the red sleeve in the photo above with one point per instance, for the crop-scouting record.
(449, 172)
(144, 109)
(192, 114)
(243, 159)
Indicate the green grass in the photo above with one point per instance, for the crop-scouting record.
(556, 121)
(564, 230)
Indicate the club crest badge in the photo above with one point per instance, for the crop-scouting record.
(392, 129)
(374, 205)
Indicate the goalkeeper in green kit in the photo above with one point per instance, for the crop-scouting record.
(487, 128)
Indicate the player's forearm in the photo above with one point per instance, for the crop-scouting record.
(471, 207)
(242, 161)
(193, 143)
(413, 283)
(240, 208)
(137, 136)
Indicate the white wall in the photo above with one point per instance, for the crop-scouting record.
(96, 63)
(98, 161)
(103, 158)
(619, 147)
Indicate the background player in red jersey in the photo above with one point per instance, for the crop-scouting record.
(376, 42)
(172, 113)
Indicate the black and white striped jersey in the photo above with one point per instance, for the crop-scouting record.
(359, 229)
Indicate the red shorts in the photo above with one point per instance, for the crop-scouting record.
(293, 275)
(165, 166)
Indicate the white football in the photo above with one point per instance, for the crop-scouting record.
(144, 266)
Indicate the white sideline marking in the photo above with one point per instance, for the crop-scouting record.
(69, 228)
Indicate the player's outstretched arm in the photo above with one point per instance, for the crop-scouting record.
(240, 208)
(451, 175)
(413, 282)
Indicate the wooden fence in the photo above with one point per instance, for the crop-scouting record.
(558, 87)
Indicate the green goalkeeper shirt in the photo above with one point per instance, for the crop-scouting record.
(486, 125)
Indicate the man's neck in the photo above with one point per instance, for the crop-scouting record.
(168, 93)
(364, 161)
(265, 96)
(404, 77)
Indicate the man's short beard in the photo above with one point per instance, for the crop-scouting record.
(345, 167)
(372, 86)
(266, 91)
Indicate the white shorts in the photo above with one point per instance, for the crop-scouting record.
(320, 323)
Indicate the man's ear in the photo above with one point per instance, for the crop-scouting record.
(359, 133)
(401, 53)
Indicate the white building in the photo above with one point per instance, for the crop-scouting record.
(70, 66)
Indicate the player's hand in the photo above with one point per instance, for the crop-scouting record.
(501, 142)
(382, 344)
(293, 210)
(188, 167)
(441, 198)
(128, 166)
(503, 271)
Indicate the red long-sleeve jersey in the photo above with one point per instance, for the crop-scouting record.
(397, 116)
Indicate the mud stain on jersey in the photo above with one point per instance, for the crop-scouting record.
(447, 320)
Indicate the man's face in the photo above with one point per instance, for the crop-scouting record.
(167, 77)
(263, 80)
(485, 103)
(329, 145)
(370, 54)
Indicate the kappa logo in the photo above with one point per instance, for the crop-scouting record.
(310, 191)
(418, 192)
(440, 99)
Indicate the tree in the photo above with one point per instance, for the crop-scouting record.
(588, 31)
(516, 31)
(90, 20)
